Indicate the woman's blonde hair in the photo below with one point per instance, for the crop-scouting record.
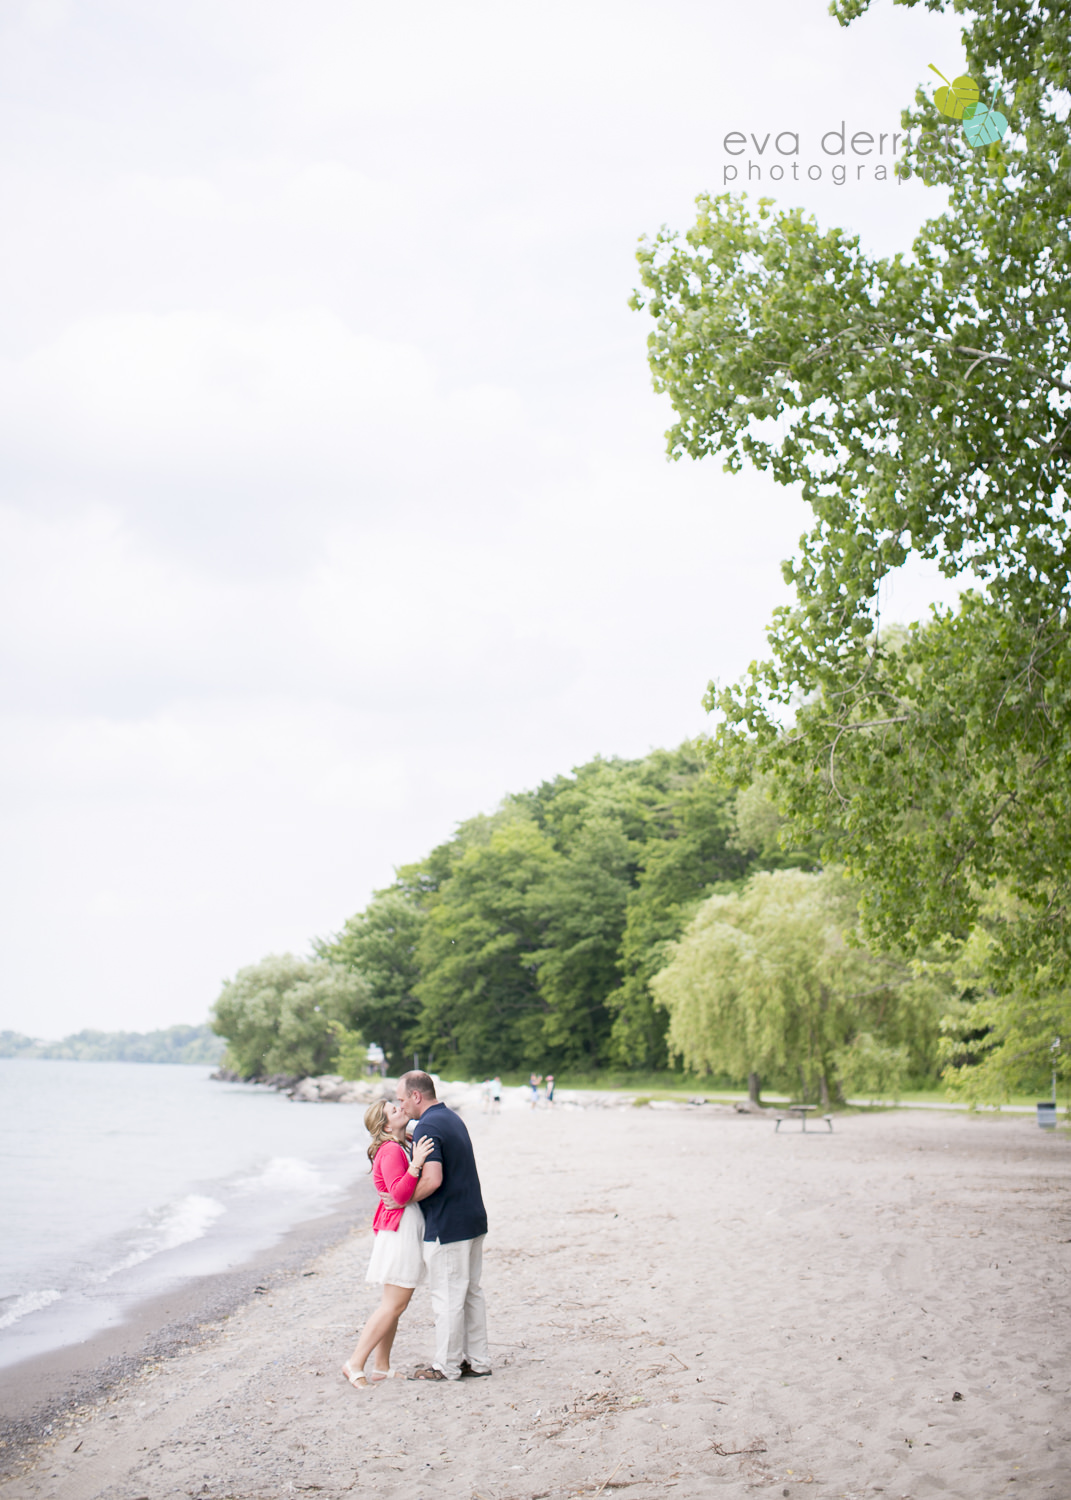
(375, 1122)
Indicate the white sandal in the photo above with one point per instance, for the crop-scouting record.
(378, 1375)
(356, 1378)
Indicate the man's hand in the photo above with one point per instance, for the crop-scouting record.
(388, 1202)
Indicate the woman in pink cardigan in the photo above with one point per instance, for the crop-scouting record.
(398, 1254)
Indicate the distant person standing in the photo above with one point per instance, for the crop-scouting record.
(550, 1088)
(534, 1080)
(496, 1094)
(455, 1226)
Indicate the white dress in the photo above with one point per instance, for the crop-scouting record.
(398, 1254)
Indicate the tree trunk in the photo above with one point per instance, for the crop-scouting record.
(753, 1088)
(824, 1088)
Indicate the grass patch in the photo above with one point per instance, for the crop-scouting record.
(666, 1084)
(656, 1084)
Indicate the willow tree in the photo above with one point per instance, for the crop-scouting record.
(765, 982)
(286, 1015)
(922, 405)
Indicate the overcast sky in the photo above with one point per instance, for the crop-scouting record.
(335, 502)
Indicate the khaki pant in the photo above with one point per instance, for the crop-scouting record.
(457, 1302)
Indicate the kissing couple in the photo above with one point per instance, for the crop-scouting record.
(430, 1222)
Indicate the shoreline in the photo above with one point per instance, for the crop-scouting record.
(680, 1303)
(40, 1394)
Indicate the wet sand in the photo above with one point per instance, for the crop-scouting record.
(38, 1394)
(680, 1302)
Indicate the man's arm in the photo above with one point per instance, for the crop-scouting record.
(431, 1180)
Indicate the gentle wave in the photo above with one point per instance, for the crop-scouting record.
(178, 1224)
(288, 1174)
(30, 1303)
(95, 1217)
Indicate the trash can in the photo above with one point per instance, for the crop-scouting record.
(1047, 1114)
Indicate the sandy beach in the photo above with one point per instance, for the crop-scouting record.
(681, 1302)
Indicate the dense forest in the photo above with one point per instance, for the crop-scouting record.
(530, 938)
(577, 929)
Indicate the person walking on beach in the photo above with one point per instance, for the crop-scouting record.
(455, 1225)
(397, 1256)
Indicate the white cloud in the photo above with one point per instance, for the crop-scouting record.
(296, 398)
(334, 497)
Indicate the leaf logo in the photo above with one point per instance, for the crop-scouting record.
(962, 100)
(982, 124)
(957, 97)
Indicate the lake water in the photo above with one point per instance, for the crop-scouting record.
(120, 1180)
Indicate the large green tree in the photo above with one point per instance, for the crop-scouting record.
(522, 934)
(527, 939)
(284, 1015)
(996, 1043)
(481, 1008)
(688, 850)
(922, 403)
(580, 907)
(681, 828)
(380, 945)
(764, 982)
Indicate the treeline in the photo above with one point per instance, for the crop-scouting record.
(176, 1044)
(530, 938)
(634, 915)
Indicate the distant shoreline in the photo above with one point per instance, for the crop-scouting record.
(195, 1046)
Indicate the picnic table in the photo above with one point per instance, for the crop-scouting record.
(800, 1112)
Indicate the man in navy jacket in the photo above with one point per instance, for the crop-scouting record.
(455, 1225)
